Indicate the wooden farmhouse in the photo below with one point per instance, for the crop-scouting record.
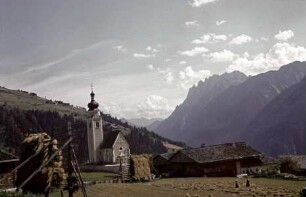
(217, 160)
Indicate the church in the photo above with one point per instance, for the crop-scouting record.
(104, 147)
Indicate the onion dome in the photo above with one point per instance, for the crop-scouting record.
(92, 104)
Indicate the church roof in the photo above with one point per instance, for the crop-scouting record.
(92, 104)
(109, 138)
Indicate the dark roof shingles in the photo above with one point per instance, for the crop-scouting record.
(221, 152)
(109, 139)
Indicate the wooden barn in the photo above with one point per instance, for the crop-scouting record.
(217, 160)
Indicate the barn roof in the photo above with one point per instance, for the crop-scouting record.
(172, 146)
(268, 160)
(167, 156)
(221, 152)
(109, 138)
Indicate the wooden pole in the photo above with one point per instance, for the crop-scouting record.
(70, 169)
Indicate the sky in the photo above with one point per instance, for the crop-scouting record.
(142, 56)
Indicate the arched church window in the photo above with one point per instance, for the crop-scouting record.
(97, 125)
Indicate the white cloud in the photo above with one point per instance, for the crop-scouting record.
(150, 67)
(284, 35)
(141, 55)
(218, 23)
(221, 56)
(167, 74)
(264, 39)
(168, 60)
(279, 55)
(210, 38)
(189, 77)
(194, 23)
(242, 39)
(199, 3)
(120, 48)
(151, 49)
(152, 106)
(182, 62)
(246, 54)
(194, 52)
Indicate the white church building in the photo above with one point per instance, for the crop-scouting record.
(103, 146)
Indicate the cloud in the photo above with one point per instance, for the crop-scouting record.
(168, 60)
(264, 39)
(189, 77)
(152, 106)
(194, 23)
(141, 55)
(218, 23)
(279, 55)
(150, 67)
(284, 35)
(242, 39)
(120, 48)
(72, 54)
(199, 3)
(151, 49)
(194, 52)
(167, 74)
(210, 38)
(221, 56)
(182, 62)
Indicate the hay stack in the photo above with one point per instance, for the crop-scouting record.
(51, 175)
(140, 167)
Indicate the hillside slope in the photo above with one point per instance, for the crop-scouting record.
(280, 128)
(176, 126)
(30, 101)
(22, 113)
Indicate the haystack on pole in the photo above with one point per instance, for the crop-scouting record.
(140, 167)
(42, 145)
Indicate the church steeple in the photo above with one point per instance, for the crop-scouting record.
(94, 130)
(92, 105)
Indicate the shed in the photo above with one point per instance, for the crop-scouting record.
(216, 160)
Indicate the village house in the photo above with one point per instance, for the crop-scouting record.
(267, 163)
(104, 147)
(217, 160)
(171, 148)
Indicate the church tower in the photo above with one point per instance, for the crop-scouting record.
(94, 130)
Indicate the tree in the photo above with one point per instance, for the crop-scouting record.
(287, 165)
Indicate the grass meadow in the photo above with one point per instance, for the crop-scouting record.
(193, 186)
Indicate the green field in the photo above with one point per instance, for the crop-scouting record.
(196, 186)
(97, 176)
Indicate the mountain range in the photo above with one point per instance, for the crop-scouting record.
(234, 107)
(149, 123)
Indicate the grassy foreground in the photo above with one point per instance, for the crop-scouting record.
(198, 186)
